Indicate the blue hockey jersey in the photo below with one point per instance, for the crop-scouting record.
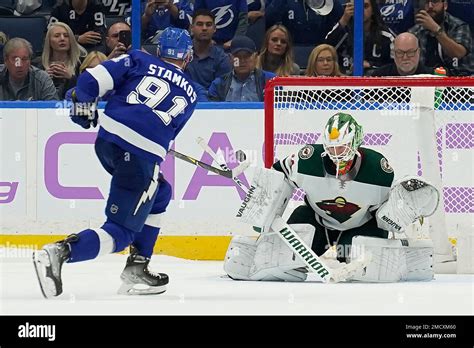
(152, 102)
(226, 14)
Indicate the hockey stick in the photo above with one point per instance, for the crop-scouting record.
(220, 160)
(309, 257)
(225, 173)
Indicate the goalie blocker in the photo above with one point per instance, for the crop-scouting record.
(381, 260)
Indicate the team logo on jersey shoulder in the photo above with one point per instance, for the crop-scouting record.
(306, 152)
(385, 166)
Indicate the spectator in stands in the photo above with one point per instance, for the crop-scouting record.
(209, 60)
(85, 18)
(444, 40)
(323, 62)
(18, 79)
(3, 41)
(114, 47)
(230, 17)
(61, 57)
(93, 59)
(398, 16)
(246, 82)
(277, 52)
(256, 10)
(378, 39)
(407, 58)
(161, 14)
(464, 10)
(117, 8)
(307, 27)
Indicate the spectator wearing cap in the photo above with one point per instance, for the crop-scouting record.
(245, 82)
(407, 58)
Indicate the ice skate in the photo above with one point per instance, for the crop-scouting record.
(137, 279)
(48, 263)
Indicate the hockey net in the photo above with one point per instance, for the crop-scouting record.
(423, 125)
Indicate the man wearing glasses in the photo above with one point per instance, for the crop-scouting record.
(444, 39)
(406, 58)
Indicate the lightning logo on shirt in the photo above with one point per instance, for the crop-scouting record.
(220, 14)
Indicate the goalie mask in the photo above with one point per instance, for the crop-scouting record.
(342, 137)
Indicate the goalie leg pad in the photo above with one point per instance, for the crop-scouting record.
(410, 198)
(239, 257)
(275, 261)
(393, 260)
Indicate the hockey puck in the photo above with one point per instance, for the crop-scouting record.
(240, 155)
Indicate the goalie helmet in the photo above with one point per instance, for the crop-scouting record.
(342, 137)
(175, 43)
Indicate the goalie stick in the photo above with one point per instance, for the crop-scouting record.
(226, 173)
(293, 241)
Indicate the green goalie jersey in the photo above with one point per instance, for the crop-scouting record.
(345, 202)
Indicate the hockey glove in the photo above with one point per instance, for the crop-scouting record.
(84, 114)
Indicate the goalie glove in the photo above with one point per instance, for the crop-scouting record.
(84, 114)
(410, 198)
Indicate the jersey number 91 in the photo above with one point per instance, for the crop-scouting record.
(151, 91)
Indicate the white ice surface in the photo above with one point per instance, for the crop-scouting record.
(201, 288)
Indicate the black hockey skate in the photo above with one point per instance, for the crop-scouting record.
(137, 279)
(48, 263)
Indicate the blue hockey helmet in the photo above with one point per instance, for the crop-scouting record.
(175, 43)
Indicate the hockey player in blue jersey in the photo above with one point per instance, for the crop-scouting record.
(152, 101)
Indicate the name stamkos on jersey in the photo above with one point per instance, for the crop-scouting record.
(306, 152)
(385, 166)
(173, 77)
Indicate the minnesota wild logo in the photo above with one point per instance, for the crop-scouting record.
(338, 208)
(306, 152)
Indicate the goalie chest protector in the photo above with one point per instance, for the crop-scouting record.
(345, 202)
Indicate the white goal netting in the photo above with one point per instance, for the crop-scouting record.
(423, 126)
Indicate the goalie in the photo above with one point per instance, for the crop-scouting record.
(351, 202)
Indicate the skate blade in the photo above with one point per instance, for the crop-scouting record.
(41, 263)
(140, 289)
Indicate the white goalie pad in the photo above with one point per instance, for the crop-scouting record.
(274, 260)
(410, 198)
(267, 258)
(267, 197)
(393, 260)
(239, 257)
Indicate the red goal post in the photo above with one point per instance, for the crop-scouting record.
(423, 125)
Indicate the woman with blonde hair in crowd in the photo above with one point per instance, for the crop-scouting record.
(277, 52)
(62, 56)
(323, 62)
(93, 59)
